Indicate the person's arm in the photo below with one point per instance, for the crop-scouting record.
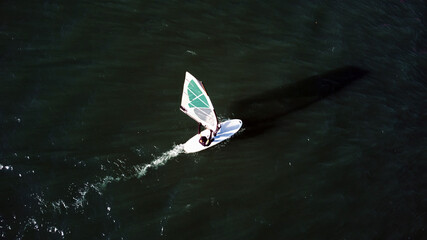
(209, 141)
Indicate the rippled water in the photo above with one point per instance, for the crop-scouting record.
(332, 95)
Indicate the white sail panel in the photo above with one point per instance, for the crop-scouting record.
(196, 103)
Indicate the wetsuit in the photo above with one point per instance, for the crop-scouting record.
(208, 140)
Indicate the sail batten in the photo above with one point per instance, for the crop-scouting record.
(196, 103)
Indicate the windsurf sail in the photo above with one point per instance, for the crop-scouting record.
(196, 103)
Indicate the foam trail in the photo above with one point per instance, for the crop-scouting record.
(141, 170)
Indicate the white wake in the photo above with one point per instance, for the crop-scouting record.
(141, 169)
(79, 201)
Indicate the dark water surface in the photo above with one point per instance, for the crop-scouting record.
(332, 94)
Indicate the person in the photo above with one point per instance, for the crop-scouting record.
(204, 140)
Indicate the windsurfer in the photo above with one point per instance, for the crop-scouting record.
(204, 140)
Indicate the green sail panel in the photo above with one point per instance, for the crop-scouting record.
(199, 102)
(194, 90)
(196, 96)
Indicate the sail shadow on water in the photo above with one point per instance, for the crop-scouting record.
(260, 112)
